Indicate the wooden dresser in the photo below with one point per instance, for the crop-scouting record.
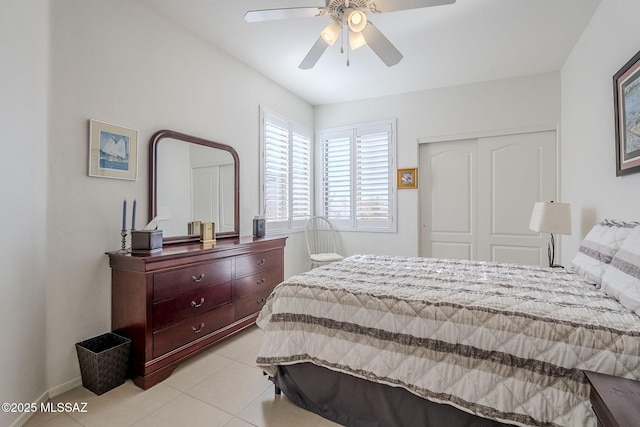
(175, 303)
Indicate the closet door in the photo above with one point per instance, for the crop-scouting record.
(518, 170)
(205, 198)
(448, 199)
(212, 195)
(476, 196)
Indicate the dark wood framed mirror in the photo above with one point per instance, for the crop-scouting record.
(193, 179)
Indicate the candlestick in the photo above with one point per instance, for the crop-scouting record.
(124, 214)
(133, 216)
(123, 249)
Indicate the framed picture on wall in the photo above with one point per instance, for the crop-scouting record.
(626, 94)
(113, 151)
(407, 178)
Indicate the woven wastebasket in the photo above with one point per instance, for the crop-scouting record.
(103, 361)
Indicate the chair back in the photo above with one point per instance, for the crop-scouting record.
(320, 235)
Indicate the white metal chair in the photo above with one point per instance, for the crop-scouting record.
(321, 241)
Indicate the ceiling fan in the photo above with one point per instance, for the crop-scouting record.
(350, 16)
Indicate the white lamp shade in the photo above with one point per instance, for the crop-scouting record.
(331, 33)
(356, 20)
(356, 40)
(550, 217)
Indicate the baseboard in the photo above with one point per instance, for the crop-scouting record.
(65, 387)
(44, 397)
(25, 416)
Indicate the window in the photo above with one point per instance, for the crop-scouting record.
(355, 176)
(286, 173)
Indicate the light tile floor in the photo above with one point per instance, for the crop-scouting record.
(219, 387)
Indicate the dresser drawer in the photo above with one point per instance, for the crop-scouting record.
(258, 282)
(184, 332)
(190, 305)
(173, 283)
(251, 304)
(261, 261)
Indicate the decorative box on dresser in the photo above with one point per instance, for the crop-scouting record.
(175, 303)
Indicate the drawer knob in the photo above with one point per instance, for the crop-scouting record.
(198, 279)
(198, 329)
(261, 262)
(197, 304)
(261, 281)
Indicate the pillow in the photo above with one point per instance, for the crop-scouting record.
(622, 278)
(599, 247)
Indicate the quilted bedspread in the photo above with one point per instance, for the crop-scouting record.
(505, 342)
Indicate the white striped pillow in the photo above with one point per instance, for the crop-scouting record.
(622, 278)
(599, 247)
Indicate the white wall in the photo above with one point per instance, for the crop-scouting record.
(121, 62)
(588, 166)
(24, 71)
(484, 107)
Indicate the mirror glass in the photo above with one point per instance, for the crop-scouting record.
(193, 179)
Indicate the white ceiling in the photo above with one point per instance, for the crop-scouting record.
(465, 42)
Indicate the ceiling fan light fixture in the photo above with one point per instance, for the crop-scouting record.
(331, 33)
(356, 40)
(357, 20)
(350, 16)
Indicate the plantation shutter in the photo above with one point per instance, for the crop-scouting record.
(287, 173)
(301, 186)
(373, 177)
(357, 174)
(276, 159)
(336, 177)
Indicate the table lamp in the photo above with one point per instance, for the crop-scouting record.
(550, 217)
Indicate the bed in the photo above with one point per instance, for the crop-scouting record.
(391, 341)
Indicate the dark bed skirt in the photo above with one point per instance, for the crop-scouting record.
(355, 402)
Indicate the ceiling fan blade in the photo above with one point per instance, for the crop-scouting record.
(314, 54)
(286, 13)
(381, 45)
(394, 5)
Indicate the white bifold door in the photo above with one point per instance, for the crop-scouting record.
(476, 196)
(212, 197)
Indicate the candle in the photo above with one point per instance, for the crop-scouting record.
(124, 214)
(133, 216)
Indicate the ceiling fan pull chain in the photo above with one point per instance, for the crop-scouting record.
(346, 40)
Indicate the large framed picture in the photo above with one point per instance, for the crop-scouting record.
(626, 94)
(113, 151)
